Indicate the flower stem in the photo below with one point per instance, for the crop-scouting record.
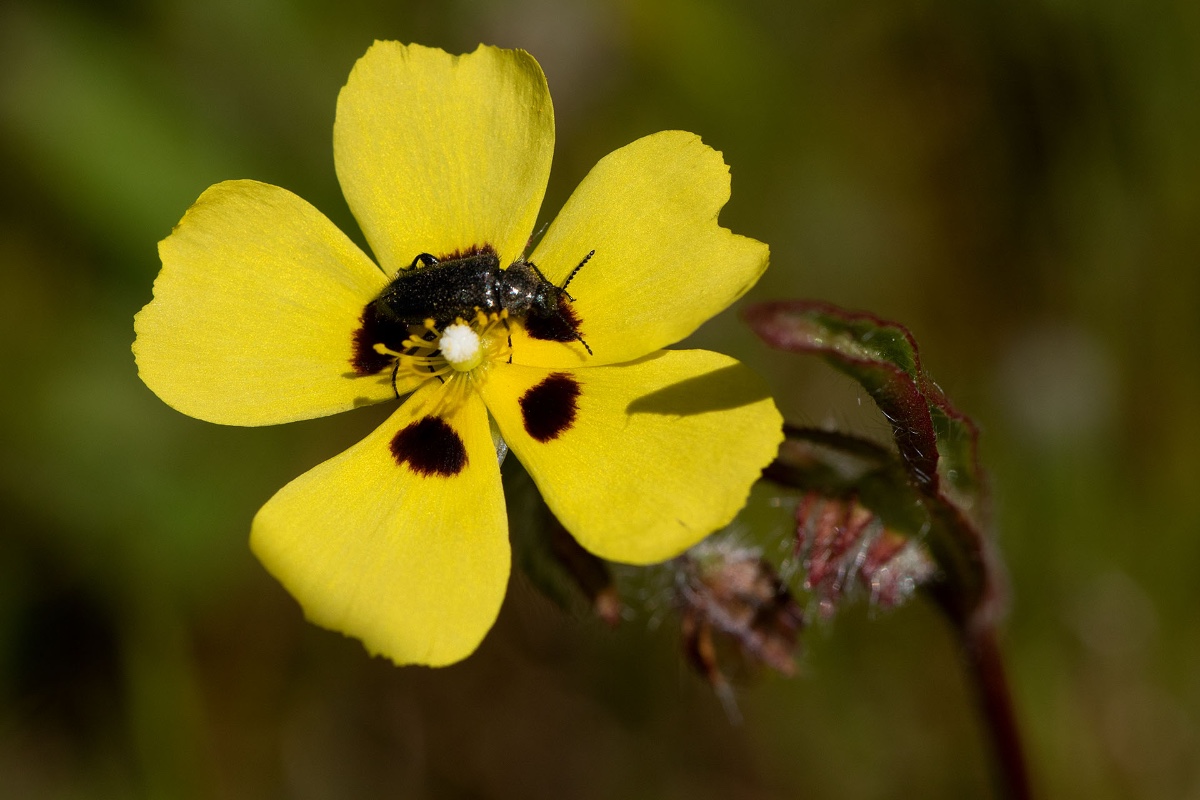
(985, 670)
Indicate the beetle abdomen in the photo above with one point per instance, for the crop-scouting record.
(443, 291)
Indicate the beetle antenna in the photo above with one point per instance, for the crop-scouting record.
(571, 277)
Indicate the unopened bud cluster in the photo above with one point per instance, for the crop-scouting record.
(844, 547)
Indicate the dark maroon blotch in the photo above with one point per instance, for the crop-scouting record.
(430, 447)
(550, 407)
(562, 327)
(373, 330)
(469, 252)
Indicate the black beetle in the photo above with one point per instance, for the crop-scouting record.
(460, 284)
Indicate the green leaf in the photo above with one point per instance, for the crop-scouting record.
(937, 445)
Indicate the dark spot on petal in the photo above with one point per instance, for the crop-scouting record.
(550, 407)
(470, 252)
(376, 328)
(430, 447)
(559, 328)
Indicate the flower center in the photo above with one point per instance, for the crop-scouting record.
(461, 347)
(458, 349)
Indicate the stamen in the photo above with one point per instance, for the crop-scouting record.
(430, 352)
(498, 347)
(413, 343)
(384, 350)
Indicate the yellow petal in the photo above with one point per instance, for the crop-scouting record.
(437, 153)
(639, 461)
(411, 556)
(255, 311)
(663, 265)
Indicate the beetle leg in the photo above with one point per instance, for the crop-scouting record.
(424, 258)
(582, 342)
(536, 269)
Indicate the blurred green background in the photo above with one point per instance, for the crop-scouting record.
(1019, 183)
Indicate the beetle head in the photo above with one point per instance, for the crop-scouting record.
(526, 291)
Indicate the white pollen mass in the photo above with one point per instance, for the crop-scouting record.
(460, 347)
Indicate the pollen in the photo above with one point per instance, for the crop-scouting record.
(461, 347)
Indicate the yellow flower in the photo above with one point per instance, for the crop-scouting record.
(264, 312)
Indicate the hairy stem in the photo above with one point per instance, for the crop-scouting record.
(985, 671)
